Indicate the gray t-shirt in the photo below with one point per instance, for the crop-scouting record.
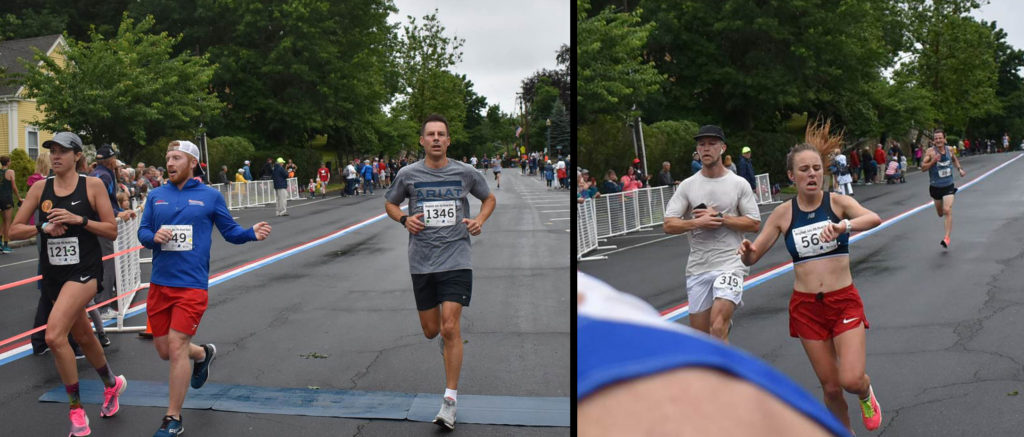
(714, 249)
(438, 193)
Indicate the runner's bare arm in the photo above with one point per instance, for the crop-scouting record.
(956, 162)
(412, 224)
(749, 252)
(20, 229)
(741, 223)
(929, 160)
(861, 218)
(14, 185)
(702, 219)
(475, 224)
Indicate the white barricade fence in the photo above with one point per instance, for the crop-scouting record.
(763, 192)
(586, 228)
(128, 273)
(254, 193)
(621, 213)
(293, 189)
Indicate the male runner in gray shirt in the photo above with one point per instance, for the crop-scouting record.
(439, 249)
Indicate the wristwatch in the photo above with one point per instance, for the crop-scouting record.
(403, 219)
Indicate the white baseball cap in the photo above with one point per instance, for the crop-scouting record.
(189, 148)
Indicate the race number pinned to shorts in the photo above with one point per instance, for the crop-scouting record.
(181, 238)
(945, 172)
(439, 213)
(62, 251)
(730, 283)
(808, 240)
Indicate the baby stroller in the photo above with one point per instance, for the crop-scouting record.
(893, 172)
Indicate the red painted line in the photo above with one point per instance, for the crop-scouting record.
(38, 277)
(35, 330)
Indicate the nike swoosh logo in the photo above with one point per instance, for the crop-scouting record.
(84, 278)
(76, 202)
(850, 320)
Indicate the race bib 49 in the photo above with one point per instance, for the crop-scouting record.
(181, 238)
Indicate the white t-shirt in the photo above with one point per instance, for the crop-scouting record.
(350, 172)
(714, 249)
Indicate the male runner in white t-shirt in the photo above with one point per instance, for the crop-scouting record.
(716, 207)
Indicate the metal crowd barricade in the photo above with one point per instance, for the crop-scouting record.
(621, 213)
(254, 193)
(128, 272)
(586, 228)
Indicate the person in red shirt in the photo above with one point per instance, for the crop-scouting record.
(880, 159)
(325, 176)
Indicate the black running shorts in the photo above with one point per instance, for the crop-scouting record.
(433, 288)
(52, 283)
(937, 193)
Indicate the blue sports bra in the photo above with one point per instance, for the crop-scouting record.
(803, 238)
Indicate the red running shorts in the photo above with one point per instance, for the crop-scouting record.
(821, 316)
(175, 308)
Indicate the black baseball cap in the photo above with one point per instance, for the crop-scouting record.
(105, 151)
(710, 130)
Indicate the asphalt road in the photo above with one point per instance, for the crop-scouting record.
(944, 351)
(350, 299)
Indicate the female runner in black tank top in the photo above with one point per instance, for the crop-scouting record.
(75, 211)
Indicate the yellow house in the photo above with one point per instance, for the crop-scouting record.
(16, 112)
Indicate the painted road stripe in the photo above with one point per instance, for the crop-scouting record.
(26, 350)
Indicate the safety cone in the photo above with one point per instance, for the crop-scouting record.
(148, 333)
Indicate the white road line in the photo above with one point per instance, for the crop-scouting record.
(556, 210)
(19, 262)
(637, 245)
(566, 218)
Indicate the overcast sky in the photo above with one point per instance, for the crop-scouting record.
(506, 41)
(1007, 14)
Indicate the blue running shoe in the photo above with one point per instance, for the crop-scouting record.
(201, 371)
(170, 427)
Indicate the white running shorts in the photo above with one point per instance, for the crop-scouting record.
(703, 288)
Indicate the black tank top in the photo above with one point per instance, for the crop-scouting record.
(87, 248)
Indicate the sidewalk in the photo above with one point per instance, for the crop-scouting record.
(22, 243)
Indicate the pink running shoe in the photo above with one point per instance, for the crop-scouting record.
(79, 423)
(110, 395)
(870, 411)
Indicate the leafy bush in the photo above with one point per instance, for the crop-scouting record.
(23, 167)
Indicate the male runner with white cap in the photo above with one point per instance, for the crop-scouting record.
(177, 224)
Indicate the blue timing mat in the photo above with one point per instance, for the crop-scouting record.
(422, 407)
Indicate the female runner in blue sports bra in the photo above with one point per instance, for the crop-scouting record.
(825, 310)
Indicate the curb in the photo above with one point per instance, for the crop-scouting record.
(22, 243)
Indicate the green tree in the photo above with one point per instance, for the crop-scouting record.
(612, 75)
(954, 59)
(126, 90)
(559, 130)
(425, 56)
